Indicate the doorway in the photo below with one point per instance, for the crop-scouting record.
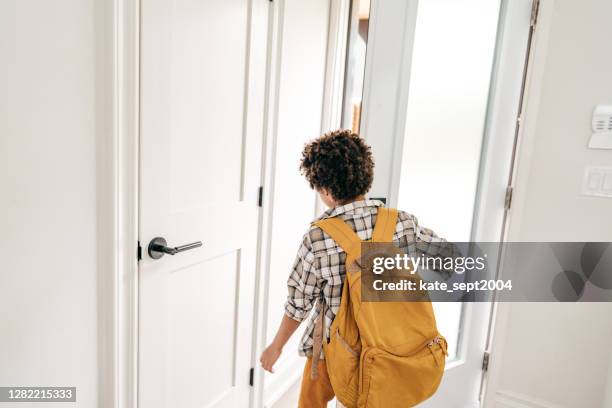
(440, 104)
(202, 143)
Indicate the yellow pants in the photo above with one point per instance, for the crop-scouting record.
(315, 393)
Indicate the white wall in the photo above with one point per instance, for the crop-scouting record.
(559, 354)
(551, 163)
(52, 119)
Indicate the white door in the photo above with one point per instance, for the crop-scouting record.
(202, 78)
(453, 71)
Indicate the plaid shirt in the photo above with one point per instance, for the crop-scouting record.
(318, 271)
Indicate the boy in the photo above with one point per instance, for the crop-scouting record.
(339, 166)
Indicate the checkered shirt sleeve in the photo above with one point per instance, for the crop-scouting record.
(303, 284)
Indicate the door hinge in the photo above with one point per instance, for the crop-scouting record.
(508, 199)
(535, 9)
(139, 251)
(260, 196)
(485, 361)
(252, 376)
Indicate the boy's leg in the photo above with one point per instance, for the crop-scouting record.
(315, 393)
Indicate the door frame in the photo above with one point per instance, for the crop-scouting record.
(510, 71)
(384, 51)
(330, 119)
(118, 191)
(119, 336)
(525, 138)
(271, 107)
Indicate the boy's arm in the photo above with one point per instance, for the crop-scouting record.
(303, 289)
(430, 244)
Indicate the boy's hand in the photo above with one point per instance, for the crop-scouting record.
(273, 351)
(269, 356)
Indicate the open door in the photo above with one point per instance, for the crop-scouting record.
(440, 103)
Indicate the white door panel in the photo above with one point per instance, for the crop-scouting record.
(201, 137)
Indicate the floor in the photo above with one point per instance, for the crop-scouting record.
(289, 400)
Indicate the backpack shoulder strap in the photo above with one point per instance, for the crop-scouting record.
(386, 221)
(350, 242)
(341, 233)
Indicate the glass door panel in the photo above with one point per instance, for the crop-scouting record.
(452, 59)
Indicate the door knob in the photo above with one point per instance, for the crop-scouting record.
(158, 248)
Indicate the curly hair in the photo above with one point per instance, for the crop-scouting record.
(340, 163)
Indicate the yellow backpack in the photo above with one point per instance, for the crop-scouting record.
(379, 354)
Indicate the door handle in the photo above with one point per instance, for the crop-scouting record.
(158, 248)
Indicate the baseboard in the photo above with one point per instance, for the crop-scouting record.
(508, 399)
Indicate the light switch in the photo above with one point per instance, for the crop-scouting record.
(607, 184)
(594, 181)
(597, 181)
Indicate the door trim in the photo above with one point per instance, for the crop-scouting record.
(336, 64)
(271, 107)
(499, 143)
(271, 90)
(525, 141)
(128, 80)
(335, 71)
(117, 155)
(384, 51)
(330, 119)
